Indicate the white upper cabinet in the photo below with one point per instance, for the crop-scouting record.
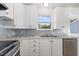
(31, 16)
(62, 19)
(9, 11)
(19, 15)
(61, 16)
(25, 16)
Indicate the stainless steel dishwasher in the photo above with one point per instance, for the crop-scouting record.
(70, 47)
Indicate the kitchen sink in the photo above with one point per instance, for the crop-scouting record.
(49, 36)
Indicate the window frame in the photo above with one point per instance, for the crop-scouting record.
(44, 22)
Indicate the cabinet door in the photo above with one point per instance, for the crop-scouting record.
(33, 47)
(24, 48)
(56, 47)
(61, 14)
(45, 47)
(19, 15)
(26, 16)
(31, 16)
(9, 11)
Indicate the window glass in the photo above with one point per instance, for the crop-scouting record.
(44, 22)
(74, 26)
(44, 19)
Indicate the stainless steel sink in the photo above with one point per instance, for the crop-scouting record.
(49, 36)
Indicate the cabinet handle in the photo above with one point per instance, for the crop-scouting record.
(37, 53)
(34, 41)
(7, 13)
(34, 50)
(51, 41)
(34, 45)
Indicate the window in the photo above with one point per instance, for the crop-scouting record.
(74, 26)
(44, 22)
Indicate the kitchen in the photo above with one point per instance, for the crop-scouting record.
(39, 29)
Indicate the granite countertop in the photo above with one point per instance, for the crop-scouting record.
(49, 37)
(35, 37)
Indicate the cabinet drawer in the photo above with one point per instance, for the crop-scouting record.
(34, 52)
(34, 43)
(34, 46)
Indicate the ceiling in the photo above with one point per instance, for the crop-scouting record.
(53, 5)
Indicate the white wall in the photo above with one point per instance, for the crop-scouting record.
(45, 11)
(73, 13)
(63, 15)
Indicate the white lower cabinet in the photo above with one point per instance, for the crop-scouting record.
(41, 47)
(51, 47)
(45, 47)
(29, 47)
(24, 47)
(34, 47)
(56, 47)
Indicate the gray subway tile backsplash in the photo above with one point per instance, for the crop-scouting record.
(28, 32)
